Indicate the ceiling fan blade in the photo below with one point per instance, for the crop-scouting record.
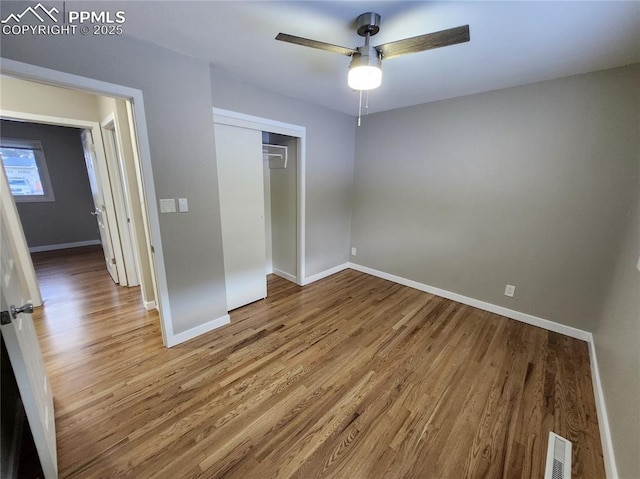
(305, 42)
(420, 43)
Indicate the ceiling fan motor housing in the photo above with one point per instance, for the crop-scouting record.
(366, 56)
(365, 72)
(368, 23)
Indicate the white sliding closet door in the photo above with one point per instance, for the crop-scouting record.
(240, 180)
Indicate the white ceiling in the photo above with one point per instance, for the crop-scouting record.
(512, 43)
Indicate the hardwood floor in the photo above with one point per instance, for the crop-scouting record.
(349, 377)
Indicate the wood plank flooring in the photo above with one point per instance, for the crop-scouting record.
(350, 377)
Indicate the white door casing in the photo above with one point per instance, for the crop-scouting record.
(100, 212)
(22, 345)
(123, 207)
(267, 218)
(149, 291)
(241, 188)
(260, 124)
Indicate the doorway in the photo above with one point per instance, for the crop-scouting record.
(117, 161)
(148, 224)
(243, 174)
(113, 192)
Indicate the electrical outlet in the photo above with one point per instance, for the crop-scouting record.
(353, 251)
(510, 290)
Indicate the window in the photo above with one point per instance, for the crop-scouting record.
(26, 169)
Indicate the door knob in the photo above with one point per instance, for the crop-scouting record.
(25, 308)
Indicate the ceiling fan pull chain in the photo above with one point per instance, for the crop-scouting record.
(360, 108)
(366, 103)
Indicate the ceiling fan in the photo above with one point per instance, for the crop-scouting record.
(365, 70)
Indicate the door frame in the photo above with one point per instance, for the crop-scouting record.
(101, 174)
(233, 118)
(48, 76)
(113, 155)
(102, 171)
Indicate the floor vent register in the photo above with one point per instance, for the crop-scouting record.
(558, 458)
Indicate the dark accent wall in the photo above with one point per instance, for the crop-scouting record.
(68, 218)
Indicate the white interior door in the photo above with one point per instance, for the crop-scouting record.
(240, 181)
(100, 211)
(24, 352)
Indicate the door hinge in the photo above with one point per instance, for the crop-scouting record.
(5, 317)
(113, 261)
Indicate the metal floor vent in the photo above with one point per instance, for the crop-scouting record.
(558, 458)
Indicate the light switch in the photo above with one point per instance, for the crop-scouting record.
(183, 205)
(168, 206)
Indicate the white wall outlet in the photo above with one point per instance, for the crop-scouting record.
(183, 205)
(510, 290)
(353, 251)
(168, 205)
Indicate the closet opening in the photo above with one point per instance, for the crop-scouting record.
(279, 160)
(261, 180)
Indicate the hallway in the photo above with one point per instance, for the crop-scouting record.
(88, 328)
(79, 296)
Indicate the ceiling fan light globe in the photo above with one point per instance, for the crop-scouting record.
(364, 77)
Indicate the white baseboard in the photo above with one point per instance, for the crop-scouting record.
(285, 275)
(54, 247)
(603, 419)
(197, 331)
(476, 303)
(324, 274)
(149, 305)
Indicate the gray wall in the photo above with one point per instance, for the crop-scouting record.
(617, 339)
(528, 186)
(329, 163)
(67, 219)
(283, 202)
(177, 97)
(535, 186)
